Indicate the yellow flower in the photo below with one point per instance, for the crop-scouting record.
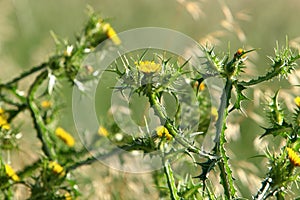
(214, 111)
(168, 136)
(294, 158)
(148, 67)
(66, 137)
(111, 33)
(46, 104)
(103, 131)
(57, 168)
(201, 87)
(297, 101)
(3, 120)
(11, 173)
(161, 131)
(68, 196)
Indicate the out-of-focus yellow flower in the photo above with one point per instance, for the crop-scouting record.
(294, 158)
(162, 131)
(11, 173)
(297, 101)
(148, 67)
(168, 136)
(66, 137)
(111, 33)
(57, 168)
(103, 131)
(200, 87)
(46, 104)
(3, 120)
(214, 111)
(68, 196)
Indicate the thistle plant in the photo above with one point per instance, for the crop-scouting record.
(176, 93)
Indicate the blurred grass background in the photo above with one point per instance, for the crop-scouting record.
(25, 41)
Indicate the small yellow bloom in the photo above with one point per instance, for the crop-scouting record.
(297, 101)
(198, 87)
(168, 136)
(66, 137)
(202, 86)
(68, 196)
(103, 131)
(214, 111)
(148, 67)
(57, 168)
(294, 158)
(46, 104)
(3, 120)
(111, 33)
(162, 131)
(11, 173)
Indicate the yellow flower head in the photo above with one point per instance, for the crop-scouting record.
(46, 104)
(57, 168)
(214, 111)
(3, 120)
(294, 158)
(68, 196)
(11, 173)
(66, 137)
(161, 131)
(103, 131)
(297, 101)
(202, 86)
(148, 67)
(111, 33)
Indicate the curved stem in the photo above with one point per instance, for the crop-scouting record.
(25, 74)
(170, 179)
(220, 141)
(154, 102)
(37, 118)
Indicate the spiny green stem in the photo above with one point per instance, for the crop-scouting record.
(93, 159)
(37, 118)
(220, 141)
(25, 74)
(276, 68)
(27, 171)
(170, 180)
(117, 150)
(192, 191)
(223, 180)
(222, 110)
(225, 162)
(261, 79)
